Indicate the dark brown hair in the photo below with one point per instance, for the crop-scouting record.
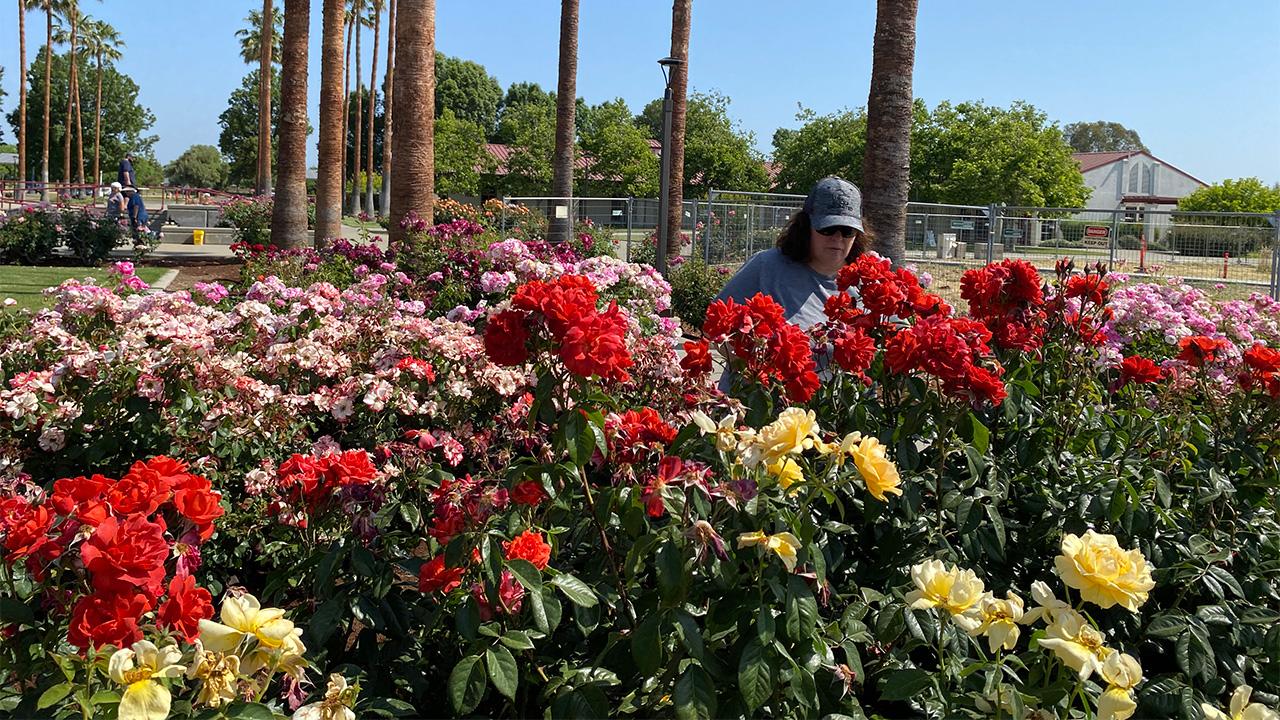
(794, 240)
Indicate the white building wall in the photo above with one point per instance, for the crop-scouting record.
(1137, 175)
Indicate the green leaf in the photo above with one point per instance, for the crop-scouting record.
(1224, 577)
(104, 697)
(646, 644)
(466, 684)
(54, 695)
(904, 684)
(516, 640)
(755, 677)
(363, 562)
(765, 624)
(411, 515)
(528, 575)
(325, 620)
(695, 695)
(1166, 626)
(690, 633)
(671, 577)
(249, 711)
(802, 609)
(981, 436)
(503, 672)
(16, 611)
(1259, 616)
(578, 592)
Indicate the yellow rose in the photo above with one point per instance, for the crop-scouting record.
(1241, 708)
(134, 667)
(957, 591)
(791, 434)
(217, 675)
(725, 430)
(1103, 572)
(243, 616)
(1000, 620)
(784, 545)
(338, 699)
(1047, 604)
(1076, 643)
(1122, 673)
(787, 471)
(880, 474)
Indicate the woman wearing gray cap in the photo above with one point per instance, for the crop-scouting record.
(800, 273)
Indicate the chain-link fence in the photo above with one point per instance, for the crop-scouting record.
(1230, 254)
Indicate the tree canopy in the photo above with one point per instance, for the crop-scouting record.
(622, 161)
(467, 89)
(518, 94)
(459, 148)
(1101, 136)
(238, 140)
(124, 121)
(532, 129)
(199, 166)
(717, 153)
(1242, 195)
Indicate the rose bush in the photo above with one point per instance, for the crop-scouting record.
(479, 468)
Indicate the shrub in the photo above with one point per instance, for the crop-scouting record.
(44, 235)
(29, 237)
(693, 286)
(251, 218)
(1194, 239)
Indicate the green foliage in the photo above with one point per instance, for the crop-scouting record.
(824, 145)
(238, 140)
(532, 129)
(251, 37)
(44, 235)
(694, 286)
(123, 120)
(521, 93)
(1242, 195)
(1101, 136)
(198, 166)
(459, 155)
(251, 218)
(717, 153)
(147, 170)
(468, 90)
(623, 162)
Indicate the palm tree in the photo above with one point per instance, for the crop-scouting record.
(251, 37)
(22, 98)
(415, 82)
(49, 10)
(75, 39)
(289, 216)
(386, 109)
(355, 129)
(263, 186)
(566, 96)
(346, 91)
(376, 9)
(105, 43)
(886, 167)
(681, 17)
(73, 14)
(332, 139)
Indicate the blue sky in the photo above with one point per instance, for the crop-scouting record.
(1197, 80)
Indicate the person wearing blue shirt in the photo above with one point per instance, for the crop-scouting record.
(136, 209)
(125, 175)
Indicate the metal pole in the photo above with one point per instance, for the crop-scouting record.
(1114, 240)
(992, 209)
(630, 212)
(706, 228)
(1275, 258)
(664, 199)
(504, 213)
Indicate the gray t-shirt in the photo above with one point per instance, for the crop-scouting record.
(799, 289)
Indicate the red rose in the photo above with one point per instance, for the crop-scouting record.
(24, 527)
(82, 498)
(186, 606)
(196, 500)
(1262, 359)
(433, 576)
(529, 492)
(142, 490)
(854, 351)
(1200, 350)
(529, 546)
(506, 338)
(697, 358)
(1139, 370)
(107, 619)
(448, 522)
(351, 467)
(1089, 287)
(510, 595)
(595, 345)
(127, 556)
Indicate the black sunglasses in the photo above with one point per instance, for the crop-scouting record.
(845, 231)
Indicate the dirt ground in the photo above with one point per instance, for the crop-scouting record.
(192, 271)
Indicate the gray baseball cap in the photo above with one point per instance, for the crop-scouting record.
(834, 202)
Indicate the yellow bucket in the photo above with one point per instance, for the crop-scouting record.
(197, 237)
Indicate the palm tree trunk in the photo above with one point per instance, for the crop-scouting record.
(358, 125)
(48, 72)
(415, 81)
(373, 94)
(886, 167)
(566, 97)
(332, 139)
(386, 109)
(22, 99)
(681, 19)
(79, 136)
(97, 126)
(289, 215)
(71, 87)
(346, 93)
(263, 185)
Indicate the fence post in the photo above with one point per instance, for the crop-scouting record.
(504, 214)
(707, 228)
(1114, 240)
(992, 211)
(1275, 258)
(631, 204)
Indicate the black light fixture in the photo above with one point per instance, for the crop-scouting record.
(660, 255)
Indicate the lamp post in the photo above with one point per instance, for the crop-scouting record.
(664, 192)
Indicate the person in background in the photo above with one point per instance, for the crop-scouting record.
(115, 202)
(800, 272)
(124, 175)
(136, 210)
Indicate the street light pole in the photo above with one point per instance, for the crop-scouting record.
(664, 191)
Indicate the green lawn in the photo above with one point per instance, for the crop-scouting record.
(25, 284)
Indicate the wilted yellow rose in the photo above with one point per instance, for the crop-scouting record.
(243, 616)
(337, 703)
(1241, 708)
(999, 620)
(792, 433)
(784, 545)
(1103, 572)
(1122, 673)
(287, 658)
(957, 591)
(787, 471)
(1077, 644)
(134, 668)
(880, 474)
(217, 675)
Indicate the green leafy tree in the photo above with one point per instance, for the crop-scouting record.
(238, 141)
(124, 121)
(199, 166)
(532, 129)
(518, 94)
(621, 161)
(460, 155)
(147, 169)
(1101, 136)
(1243, 195)
(824, 145)
(467, 89)
(717, 153)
